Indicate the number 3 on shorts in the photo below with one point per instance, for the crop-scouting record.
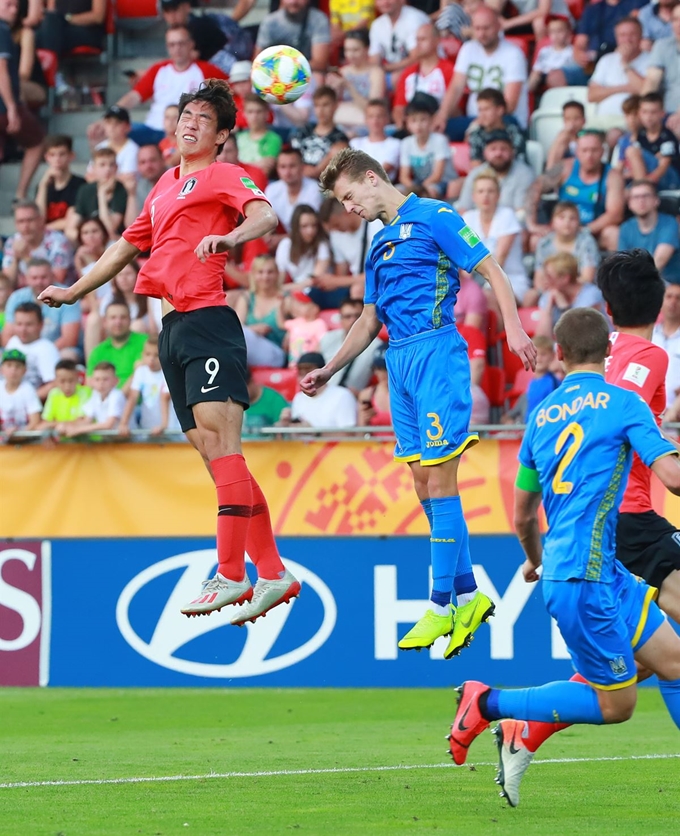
(212, 366)
(436, 426)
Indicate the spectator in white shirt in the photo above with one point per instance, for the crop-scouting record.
(292, 188)
(332, 406)
(486, 61)
(42, 355)
(556, 55)
(20, 406)
(304, 254)
(393, 36)
(106, 405)
(667, 335)
(383, 148)
(117, 129)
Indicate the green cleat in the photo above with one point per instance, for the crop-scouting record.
(426, 631)
(468, 618)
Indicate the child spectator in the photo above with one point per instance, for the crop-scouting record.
(491, 117)
(305, 253)
(332, 406)
(567, 236)
(146, 386)
(105, 406)
(258, 145)
(318, 143)
(357, 82)
(564, 144)
(544, 381)
(266, 407)
(58, 187)
(65, 403)
(116, 129)
(5, 292)
(631, 114)
(556, 55)
(656, 154)
(563, 292)
(41, 354)
(306, 328)
(425, 158)
(105, 198)
(383, 148)
(168, 145)
(20, 405)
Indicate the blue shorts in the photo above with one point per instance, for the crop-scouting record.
(430, 398)
(575, 76)
(603, 624)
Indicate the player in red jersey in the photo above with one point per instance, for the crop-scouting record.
(646, 543)
(201, 345)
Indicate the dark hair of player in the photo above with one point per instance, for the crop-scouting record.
(30, 307)
(217, 94)
(583, 335)
(632, 287)
(67, 366)
(490, 94)
(354, 164)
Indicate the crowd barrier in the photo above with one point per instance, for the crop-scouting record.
(100, 546)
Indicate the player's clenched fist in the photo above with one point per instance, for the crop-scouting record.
(210, 245)
(55, 297)
(312, 382)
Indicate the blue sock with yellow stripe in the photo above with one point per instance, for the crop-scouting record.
(670, 691)
(556, 702)
(448, 530)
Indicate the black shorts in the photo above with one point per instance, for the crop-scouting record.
(648, 546)
(203, 357)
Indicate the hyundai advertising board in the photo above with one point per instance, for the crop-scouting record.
(108, 615)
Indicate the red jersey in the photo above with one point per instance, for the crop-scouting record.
(177, 215)
(638, 365)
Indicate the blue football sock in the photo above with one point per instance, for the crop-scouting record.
(447, 534)
(670, 691)
(556, 702)
(427, 507)
(464, 579)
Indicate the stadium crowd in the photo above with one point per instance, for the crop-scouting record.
(552, 126)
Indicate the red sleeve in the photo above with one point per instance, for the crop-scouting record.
(234, 186)
(257, 175)
(447, 70)
(645, 373)
(145, 84)
(140, 231)
(400, 92)
(475, 340)
(211, 71)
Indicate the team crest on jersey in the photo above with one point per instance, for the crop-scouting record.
(187, 188)
(618, 666)
(469, 236)
(405, 231)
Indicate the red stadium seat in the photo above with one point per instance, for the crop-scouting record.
(383, 335)
(49, 62)
(475, 338)
(512, 365)
(524, 42)
(576, 8)
(461, 157)
(332, 318)
(493, 332)
(529, 319)
(493, 384)
(283, 380)
(522, 380)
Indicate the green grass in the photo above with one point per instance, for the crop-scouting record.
(72, 735)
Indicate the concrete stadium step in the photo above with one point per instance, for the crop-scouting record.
(76, 123)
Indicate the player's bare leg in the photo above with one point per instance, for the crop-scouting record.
(669, 595)
(437, 488)
(219, 430)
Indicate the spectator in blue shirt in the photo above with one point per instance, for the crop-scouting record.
(544, 381)
(60, 325)
(655, 19)
(652, 231)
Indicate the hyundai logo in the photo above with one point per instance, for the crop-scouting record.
(172, 631)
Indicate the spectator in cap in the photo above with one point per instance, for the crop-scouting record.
(515, 176)
(332, 406)
(242, 86)
(261, 314)
(76, 23)
(117, 129)
(20, 406)
(217, 38)
(374, 401)
(304, 253)
(306, 328)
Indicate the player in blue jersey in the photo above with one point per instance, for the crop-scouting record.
(576, 456)
(411, 286)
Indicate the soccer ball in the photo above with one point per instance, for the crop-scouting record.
(281, 74)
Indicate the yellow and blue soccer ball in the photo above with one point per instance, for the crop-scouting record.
(280, 74)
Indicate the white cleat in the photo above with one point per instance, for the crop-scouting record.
(219, 592)
(267, 595)
(513, 758)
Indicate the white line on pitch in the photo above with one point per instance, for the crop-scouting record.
(340, 770)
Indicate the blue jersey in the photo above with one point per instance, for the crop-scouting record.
(579, 441)
(412, 266)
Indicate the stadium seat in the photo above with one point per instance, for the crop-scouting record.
(49, 63)
(544, 127)
(520, 386)
(512, 365)
(576, 8)
(535, 156)
(493, 332)
(474, 337)
(529, 319)
(332, 318)
(555, 97)
(524, 42)
(283, 380)
(383, 335)
(493, 384)
(133, 14)
(461, 157)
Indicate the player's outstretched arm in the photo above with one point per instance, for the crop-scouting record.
(667, 469)
(518, 340)
(360, 336)
(108, 266)
(260, 219)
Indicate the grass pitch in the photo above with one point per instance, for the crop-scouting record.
(93, 735)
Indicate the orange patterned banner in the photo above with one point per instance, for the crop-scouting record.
(316, 489)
